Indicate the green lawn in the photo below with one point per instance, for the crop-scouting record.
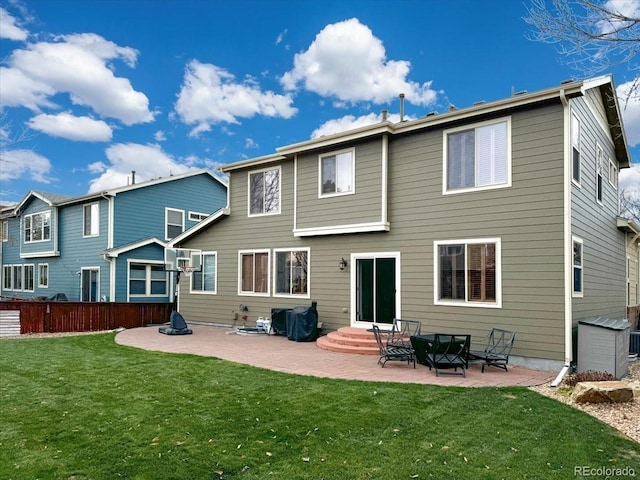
(85, 408)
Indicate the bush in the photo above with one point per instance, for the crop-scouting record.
(588, 376)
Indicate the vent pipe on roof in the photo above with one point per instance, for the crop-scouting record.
(402, 107)
(384, 115)
(133, 177)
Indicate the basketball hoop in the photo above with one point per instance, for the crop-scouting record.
(187, 269)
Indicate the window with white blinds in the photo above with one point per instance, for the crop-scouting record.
(478, 157)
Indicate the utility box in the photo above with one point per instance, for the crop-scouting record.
(603, 345)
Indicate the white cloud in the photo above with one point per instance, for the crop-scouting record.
(349, 122)
(27, 164)
(79, 65)
(68, 126)
(19, 89)
(347, 62)
(9, 27)
(97, 167)
(627, 8)
(159, 136)
(630, 178)
(630, 111)
(148, 161)
(210, 94)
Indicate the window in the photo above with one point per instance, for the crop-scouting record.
(254, 272)
(204, 281)
(575, 149)
(264, 192)
(577, 268)
(337, 173)
(197, 217)
(91, 220)
(17, 277)
(27, 272)
(291, 272)
(147, 280)
(43, 275)
(478, 157)
(468, 272)
(7, 283)
(613, 174)
(37, 227)
(5, 230)
(174, 220)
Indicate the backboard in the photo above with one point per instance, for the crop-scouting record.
(177, 259)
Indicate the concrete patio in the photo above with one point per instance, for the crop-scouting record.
(305, 358)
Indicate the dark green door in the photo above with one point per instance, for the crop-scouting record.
(376, 290)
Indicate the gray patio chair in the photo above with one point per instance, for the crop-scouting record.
(402, 331)
(449, 351)
(497, 350)
(388, 352)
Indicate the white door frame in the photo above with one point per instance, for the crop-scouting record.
(354, 287)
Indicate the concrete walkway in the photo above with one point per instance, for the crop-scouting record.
(305, 358)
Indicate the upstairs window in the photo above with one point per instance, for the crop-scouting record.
(37, 227)
(91, 220)
(600, 171)
(613, 174)
(5, 230)
(478, 157)
(264, 192)
(575, 149)
(337, 173)
(197, 217)
(174, 220)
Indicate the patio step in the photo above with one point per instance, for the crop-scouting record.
(349, 340)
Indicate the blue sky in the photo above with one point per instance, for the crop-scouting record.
(110, 86)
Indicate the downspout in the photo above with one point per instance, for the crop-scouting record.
(568, 260)
(385, 178)
(112, 260)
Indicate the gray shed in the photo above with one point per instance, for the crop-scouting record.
(603, 345)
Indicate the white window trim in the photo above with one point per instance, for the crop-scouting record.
(262, 170)
(575, 294)
(215, 275)
(197, 216)
(9, 267)
(91, 269)
(254, 294)
(97, 219)
(275, 273)
(5, 230)
(40, 265)
(147, 287)
(577, 182)
(24, 277)
(166, 221)
(445, 159)
(460, 303)
(613, 172)
(353, 173)
(31, 215)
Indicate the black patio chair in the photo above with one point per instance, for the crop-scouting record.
(449, 351)
(497, 350)
(388, 352)
(402, 331)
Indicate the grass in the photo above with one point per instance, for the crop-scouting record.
(86, 408)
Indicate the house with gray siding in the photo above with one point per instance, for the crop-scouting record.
(502, 215)
(104, 246)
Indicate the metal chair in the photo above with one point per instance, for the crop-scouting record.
(449, 351)
(388, 352)
(497, 350)
(402, 331)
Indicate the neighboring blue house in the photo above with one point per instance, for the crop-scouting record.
(105, 246)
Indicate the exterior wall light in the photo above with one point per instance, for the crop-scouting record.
(343, 264)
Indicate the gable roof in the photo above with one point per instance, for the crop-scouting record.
(214, 217)
(566, 90)
(114, 252)
(56, 199)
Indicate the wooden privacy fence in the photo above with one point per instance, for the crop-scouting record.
(55, 317)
